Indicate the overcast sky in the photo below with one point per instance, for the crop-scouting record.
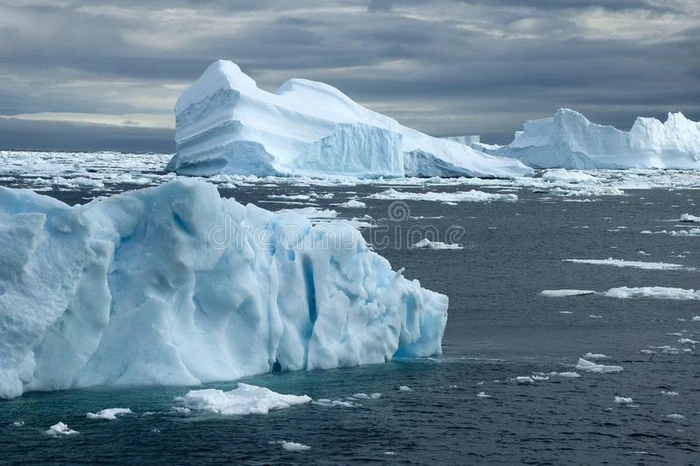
(105, 74)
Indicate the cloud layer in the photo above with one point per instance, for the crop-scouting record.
(444, 67)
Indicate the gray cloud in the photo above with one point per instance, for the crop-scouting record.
(445, 66)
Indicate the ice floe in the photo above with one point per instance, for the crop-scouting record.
(624, 263)
(653, 292)
(425, 243)
(109, 414)
(459, 196)
(588, 366)
(245, 399)
(60, 429)
(564, 293)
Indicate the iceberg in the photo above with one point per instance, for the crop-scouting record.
(568, 140)
(173, 285)
(225, 124)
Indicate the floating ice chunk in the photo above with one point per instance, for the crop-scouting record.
(624, 263)
(292, 446)
(696, 319)
(674, 416)
(340, 403)
(653, 292)
(291, 197)
(688, 341)
(483, 395)
(405, 388)
(459, 196)
(594, 356)
(623, 400)
(669, 393)
(109, 414)
(353, 204)
(523, 380)
(568, 176)
(18, 424)
(365, 396)
(588, 366)
(689, 218)
(245, 399)
(565, 312)
(310, 212)
(595, 316)
(60, 429)
(566, 374)
(667, 349)
(425, 243)
(565, 293)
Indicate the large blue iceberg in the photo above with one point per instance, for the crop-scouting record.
(176, 286)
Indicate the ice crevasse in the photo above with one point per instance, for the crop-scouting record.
(174, 285)
(225, 124)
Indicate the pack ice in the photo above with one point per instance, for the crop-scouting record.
(226, 124)
(569, 140)
(174, 285)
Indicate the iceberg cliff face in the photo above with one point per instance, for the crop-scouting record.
(226, 124)
(569, 140)
(175, 286)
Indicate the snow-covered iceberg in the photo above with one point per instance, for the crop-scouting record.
(174, 285)
(569, 140)
(225, 124)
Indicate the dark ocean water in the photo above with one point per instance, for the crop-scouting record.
(499, 328)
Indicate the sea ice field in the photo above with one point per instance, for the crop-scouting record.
(572, 336)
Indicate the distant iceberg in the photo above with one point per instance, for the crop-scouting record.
(225, 124)
(569, 140)
(174, 285)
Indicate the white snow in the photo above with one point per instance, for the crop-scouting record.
(226, 124)
(425, 243)
(655, 292)
(569, 140)
(625, 263)
(109, 414)
(245, 399)
(459, 196)
(564, 293)
(588, 366)
(60, 429)
(175, 286)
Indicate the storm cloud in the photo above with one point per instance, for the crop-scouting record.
(444, 67)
